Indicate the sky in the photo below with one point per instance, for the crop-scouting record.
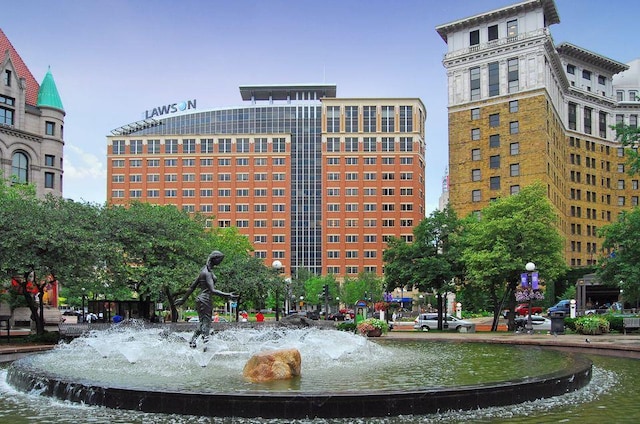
(112, 60)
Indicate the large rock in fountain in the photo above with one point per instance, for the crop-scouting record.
(272, 365)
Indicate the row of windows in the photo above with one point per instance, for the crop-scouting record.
(369, 176)
(204, 162)
(369, 144)
(476, 195)
(493, 83)
(510, 30)
(207, 145)
(369, 207)
(387, 160)
(632, 96)
(514, 127)
(352, 254)
(368, 115)
(351, 270)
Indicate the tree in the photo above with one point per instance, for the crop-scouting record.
(620, 267)
(629, 138)
(152, 250)
(45, 241)
(512, 231)
(431, 263)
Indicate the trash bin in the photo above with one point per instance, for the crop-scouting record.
(557, 322)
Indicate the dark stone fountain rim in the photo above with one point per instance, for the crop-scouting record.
(296, 405)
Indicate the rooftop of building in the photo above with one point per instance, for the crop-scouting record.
(7, 49)
(287, 91)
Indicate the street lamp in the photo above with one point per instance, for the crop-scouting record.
(83, 317)
(277, 266)
(532, 285)
(421, 297)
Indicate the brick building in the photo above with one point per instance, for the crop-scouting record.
(314, 181)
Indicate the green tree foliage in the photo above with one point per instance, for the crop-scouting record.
(620, 267)
(431, 263)
(629, 138)
(512, 231)
(366, 286)
(51, 238)
(152, 249)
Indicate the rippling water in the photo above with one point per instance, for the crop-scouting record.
(611, 397)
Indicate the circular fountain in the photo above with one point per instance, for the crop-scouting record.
(343, 375)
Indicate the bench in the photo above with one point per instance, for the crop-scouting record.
(72, 330)
(630, 324)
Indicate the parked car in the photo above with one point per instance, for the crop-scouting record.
(562, 306)
(523, 309)
(336, 316)
(429, 321)
(538, 322)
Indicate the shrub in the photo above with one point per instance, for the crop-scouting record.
(347, 326)
(372, 324)
(592, 324)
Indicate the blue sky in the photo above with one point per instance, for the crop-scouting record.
(112, 60)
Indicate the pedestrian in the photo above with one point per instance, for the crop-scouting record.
(206, 281)
(216, 317)
(259, 317)
(244, 316)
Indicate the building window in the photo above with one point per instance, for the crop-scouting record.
(171, 146)
(333, 118)
(475, 113)
(492, 32)
(189, 145)
(494, 79)
(242, 145)
(572, 115)
(475, 175)
(494, 140)
(369, 144)
(475, 134)
(514, 148)
(633, 121)
(514, 169)
(388, 119)
(494, 183)
(49, 160)
(406, 144)
(602, 124)
(571, 69)
(494, 119)
(406, 118)
(206, 145)
(6, 78)
(153, 147)
(514, 127)
(474, 37)
(512, 75)
(620, 95)
(586, 74)
(369, 119)
(474, 80)
(49, 128)
(351, 144)
(514, 189)
(279, 145)
(476, 196)
(512, 29)
(20, 167)
(388, 144)
(49, 178)
(513, 106)
(118, 147)
(6, 116)
(224, 145)
(602, 80)
(475, 154)
(587, 120)
(494, 162)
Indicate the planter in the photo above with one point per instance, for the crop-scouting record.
(374, 333)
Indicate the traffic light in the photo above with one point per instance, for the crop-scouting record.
(326, 291)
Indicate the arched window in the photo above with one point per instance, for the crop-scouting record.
(20, 167)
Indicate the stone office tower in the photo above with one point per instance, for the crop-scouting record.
(523, 109)
(31, 124)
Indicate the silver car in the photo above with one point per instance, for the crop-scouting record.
(426, 322)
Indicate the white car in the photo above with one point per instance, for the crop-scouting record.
(426, 322)
(538, 322)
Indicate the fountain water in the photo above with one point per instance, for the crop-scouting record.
(343, 375)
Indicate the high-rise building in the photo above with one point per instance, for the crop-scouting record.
(522, 109)
(31, 125)
(314, 181)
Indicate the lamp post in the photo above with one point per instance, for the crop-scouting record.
(421, 302)
(532, 285)
(277, 266)
(83, 317)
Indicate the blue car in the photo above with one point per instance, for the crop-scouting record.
(562, 306)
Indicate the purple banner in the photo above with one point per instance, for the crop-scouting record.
(534, 280)
(524, 279)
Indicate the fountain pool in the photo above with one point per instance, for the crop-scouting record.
(343, 375)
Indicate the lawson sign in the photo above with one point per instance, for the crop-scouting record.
(170, 108)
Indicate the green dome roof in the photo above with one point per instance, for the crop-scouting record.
(48, 93)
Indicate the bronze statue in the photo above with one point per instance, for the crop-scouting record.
(206, 280)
